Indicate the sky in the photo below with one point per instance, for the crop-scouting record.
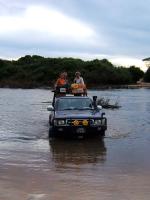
(117, 30)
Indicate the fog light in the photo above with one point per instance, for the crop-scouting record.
(85, 123)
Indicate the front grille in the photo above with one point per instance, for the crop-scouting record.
(70, 122)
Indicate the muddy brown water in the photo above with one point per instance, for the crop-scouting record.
(34, 168)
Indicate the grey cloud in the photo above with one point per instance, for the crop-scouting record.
(124, 24)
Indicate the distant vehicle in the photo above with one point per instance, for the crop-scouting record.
(76, 116)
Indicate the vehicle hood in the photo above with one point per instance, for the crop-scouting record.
(77, 114)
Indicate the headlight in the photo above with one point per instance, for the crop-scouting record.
(103, 122)
(97, 122)
(61, 122)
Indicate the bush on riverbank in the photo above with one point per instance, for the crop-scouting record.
(37, 71)
(147, 75)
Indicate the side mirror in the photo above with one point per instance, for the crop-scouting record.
(99, 107)
(103, 114)
(50, 108)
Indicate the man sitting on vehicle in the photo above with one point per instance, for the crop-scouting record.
(61, 85)
(62, 80)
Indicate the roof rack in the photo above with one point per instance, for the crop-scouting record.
(66, 94)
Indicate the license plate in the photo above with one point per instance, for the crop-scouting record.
(63, 90)
(80, 130)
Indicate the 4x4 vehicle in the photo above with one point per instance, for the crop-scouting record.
(76, 115)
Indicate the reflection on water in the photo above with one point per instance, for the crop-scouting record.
(78, 152)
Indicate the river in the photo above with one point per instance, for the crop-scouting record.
(34, 168)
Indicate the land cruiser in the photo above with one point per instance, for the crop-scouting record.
(76, 115)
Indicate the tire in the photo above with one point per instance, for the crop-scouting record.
(50, 123)
(51, 132)
(102, 133)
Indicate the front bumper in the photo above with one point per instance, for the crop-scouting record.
(79, 130)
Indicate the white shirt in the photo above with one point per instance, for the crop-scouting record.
(79, 80)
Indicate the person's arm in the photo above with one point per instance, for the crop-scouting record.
(81, 80)
(56, 84)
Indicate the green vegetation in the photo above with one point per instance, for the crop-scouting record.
(36, 71)
(136, 73)
(147, 75)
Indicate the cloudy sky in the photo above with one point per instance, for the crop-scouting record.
(118, 30)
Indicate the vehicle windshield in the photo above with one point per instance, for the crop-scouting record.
(74, 104)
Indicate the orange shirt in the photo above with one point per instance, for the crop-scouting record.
(60, 82)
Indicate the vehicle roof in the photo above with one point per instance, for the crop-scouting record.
(74, 97)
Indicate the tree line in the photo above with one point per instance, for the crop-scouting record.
(37, 71)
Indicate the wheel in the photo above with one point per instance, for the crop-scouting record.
(102, 133)
(50, 122)
(51, 132)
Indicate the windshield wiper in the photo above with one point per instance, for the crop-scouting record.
(84, 108)
(69, 109)
(75, 108)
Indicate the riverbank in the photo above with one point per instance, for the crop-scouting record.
(36, 71)
(130, 86)
(139, 85)
(16, 85)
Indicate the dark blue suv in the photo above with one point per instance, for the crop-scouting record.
(76, 115)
